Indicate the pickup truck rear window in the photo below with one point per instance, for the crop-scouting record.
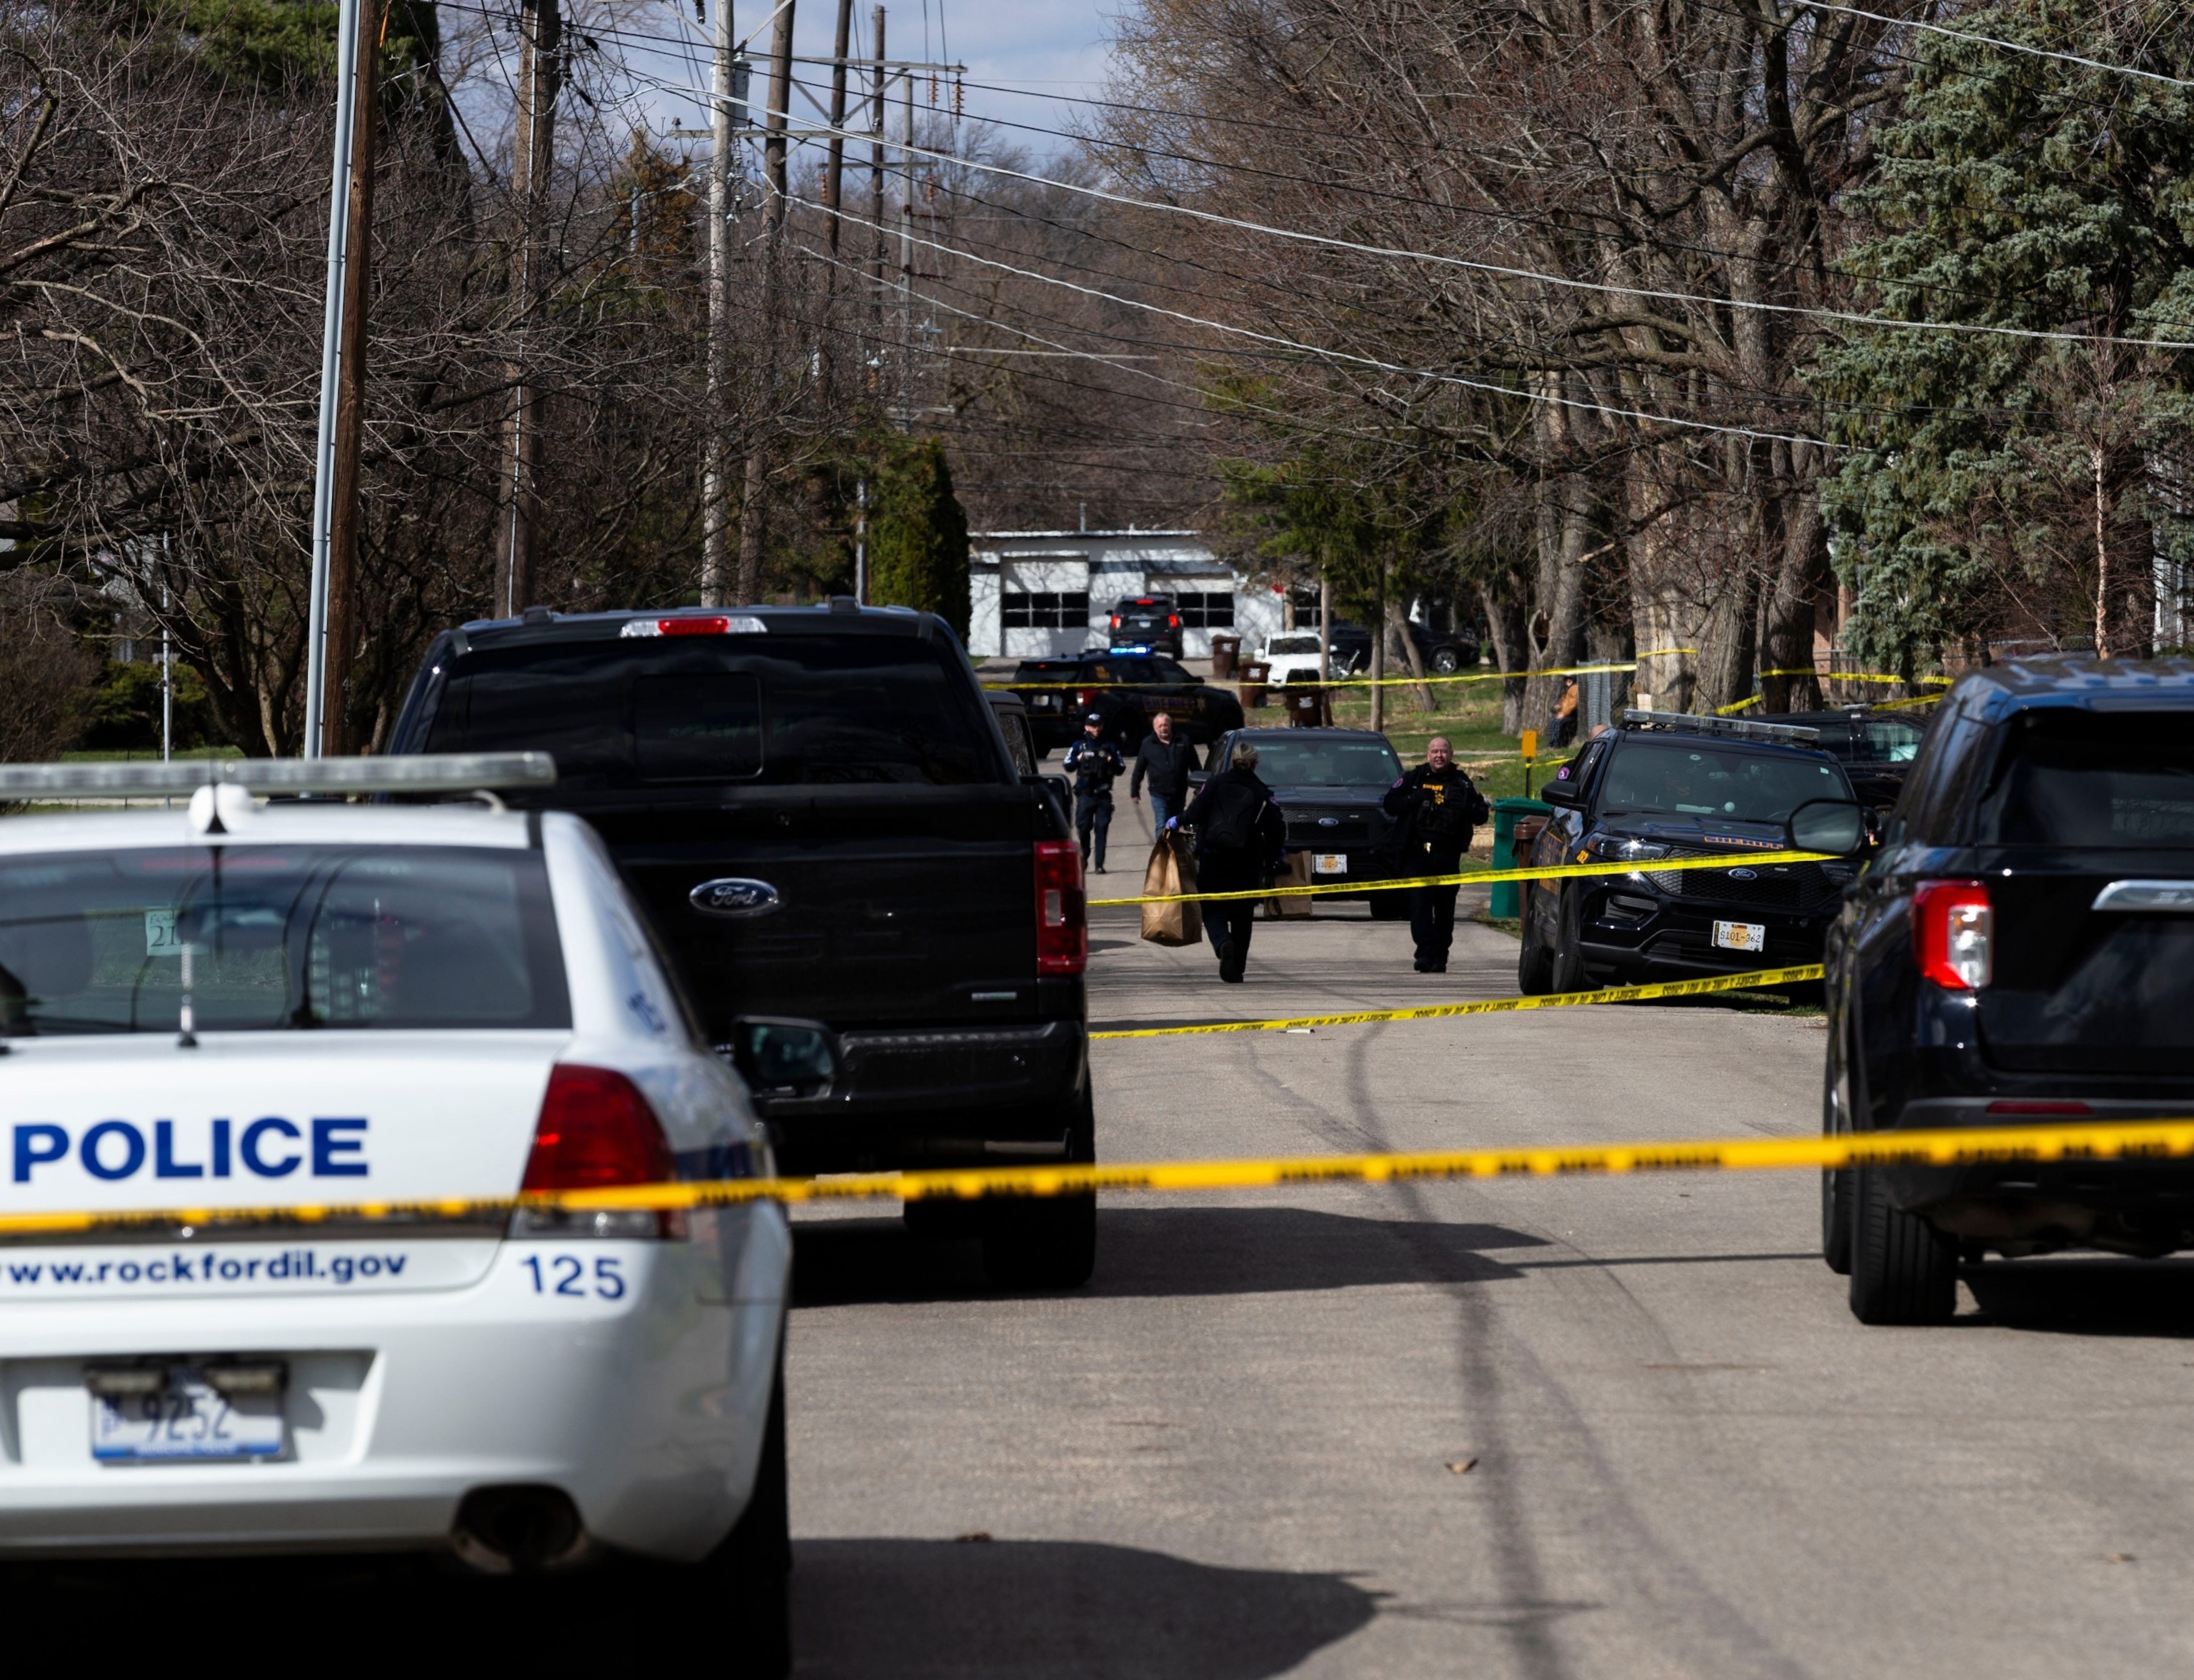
(276, 938)
(2091, 779)
(790, 709)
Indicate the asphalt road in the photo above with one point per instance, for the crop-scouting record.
(1235, 1454)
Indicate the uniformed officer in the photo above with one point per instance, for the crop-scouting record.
(1439, 805)
(1096, 764)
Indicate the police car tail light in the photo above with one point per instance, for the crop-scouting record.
(1062, 916)
(1953, 934)
(596, 1132)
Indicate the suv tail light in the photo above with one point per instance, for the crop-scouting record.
(1173, 620)
(1085, 696)
(719, 624)
(1953, 930)
(596, 1132)
(1062, 914)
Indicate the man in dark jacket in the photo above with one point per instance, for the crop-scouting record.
(1096, 764)
(1439, 806)
(1240, 837)
(1166, 762)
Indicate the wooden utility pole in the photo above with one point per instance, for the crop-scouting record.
(533, 157)
(335, 734)
(754, 508)
(715, 488)
(834, 181)
(876, 189)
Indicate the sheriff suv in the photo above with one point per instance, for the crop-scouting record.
(1667, 786)
(2020, 951)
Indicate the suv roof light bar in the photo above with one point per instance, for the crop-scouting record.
(416, 773)
(1689, 723)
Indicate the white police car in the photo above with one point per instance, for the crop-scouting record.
(245, 1005)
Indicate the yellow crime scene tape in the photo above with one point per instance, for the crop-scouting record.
(2140, 1140)
(1756, 979)
(1721, 860)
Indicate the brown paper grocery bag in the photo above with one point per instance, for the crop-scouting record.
(1297, 874)
(1171, 869)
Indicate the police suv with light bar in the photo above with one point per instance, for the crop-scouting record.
(1668, 785)
(215, 1013)
(2020, 951)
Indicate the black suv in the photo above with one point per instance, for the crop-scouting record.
(820, 814)
(1668, 785)
(1127, 690)
(1445, 654)
(1150, 622)
(1329, 784)
(2019, 951)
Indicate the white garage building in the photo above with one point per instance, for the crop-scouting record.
(1040, 593)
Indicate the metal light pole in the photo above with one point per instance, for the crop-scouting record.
(324, 456)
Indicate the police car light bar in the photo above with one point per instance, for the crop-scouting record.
(421, 773)
(1687, 722)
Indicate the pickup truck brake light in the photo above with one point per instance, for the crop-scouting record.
(1062, 914)
(1953, 934)
(714, 624)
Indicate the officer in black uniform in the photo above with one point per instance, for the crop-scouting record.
(1440, 805)
(1096, 764)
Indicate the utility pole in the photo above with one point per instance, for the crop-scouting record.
(533, 157)
(834, 181)
(715, 570)
(342, 607)
(906, 262)
(754, 511)
(876, 187)
(332, 343)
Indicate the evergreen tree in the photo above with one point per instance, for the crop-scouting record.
(2000, 485)
(918, 532)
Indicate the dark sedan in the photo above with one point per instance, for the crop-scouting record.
(1328, 783)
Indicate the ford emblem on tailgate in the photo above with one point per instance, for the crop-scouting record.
(1744, 875)
(735, 897)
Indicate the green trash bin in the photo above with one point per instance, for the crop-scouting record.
(1507, 902)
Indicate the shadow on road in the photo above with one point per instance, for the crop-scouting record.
(906, 1608)
(2086, 1297)
(1162, 1252)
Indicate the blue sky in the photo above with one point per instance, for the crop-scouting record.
(1045, 48)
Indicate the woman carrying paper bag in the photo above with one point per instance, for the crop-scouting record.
(1171, 870)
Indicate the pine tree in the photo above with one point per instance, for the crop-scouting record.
(2000, 485)
(918, 543)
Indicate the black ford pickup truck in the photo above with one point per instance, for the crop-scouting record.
(822, 818)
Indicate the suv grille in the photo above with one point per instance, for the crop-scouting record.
(1799, 889)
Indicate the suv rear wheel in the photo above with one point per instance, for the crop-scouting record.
(1903, 1269)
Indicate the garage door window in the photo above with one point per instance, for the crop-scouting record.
(1045, 609)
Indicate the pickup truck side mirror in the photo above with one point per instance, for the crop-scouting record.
(1837, 827)
(1058, 786)
(781, 1057)
(1568, 794)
